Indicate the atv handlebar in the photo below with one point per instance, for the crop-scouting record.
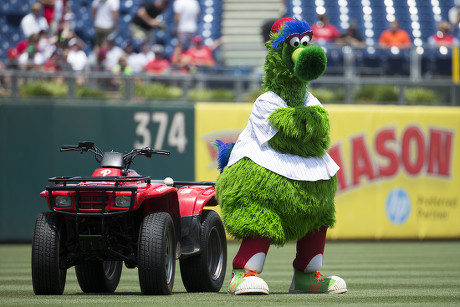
(147, 151)
(82, 146)
(127, 157)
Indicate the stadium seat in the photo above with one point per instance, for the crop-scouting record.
(372, 62)
(397, 64)
(334, 61)
(443, 62)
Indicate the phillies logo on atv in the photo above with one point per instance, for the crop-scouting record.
(106, 172)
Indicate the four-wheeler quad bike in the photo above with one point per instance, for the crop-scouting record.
(116, 215)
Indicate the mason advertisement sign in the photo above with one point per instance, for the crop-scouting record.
(399, 176)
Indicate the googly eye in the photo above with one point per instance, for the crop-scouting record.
(294, 41)
(305, 40)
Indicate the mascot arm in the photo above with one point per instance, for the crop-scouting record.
(302, 130)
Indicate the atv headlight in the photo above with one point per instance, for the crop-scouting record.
(63, 201)
(122, 201)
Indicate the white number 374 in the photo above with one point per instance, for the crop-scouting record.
(175, 136)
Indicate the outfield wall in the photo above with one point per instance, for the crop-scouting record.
(399, 176)
(400, 166)
(31, 134)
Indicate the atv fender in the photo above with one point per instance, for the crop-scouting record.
(192, 200)
(160, 198)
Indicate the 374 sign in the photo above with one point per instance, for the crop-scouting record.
(160, 130)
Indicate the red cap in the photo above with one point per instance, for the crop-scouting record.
(197, 39)
(277, 25)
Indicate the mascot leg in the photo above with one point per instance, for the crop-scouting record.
(308, 261)
(249, 261)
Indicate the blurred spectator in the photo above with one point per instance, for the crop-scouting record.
(54, 11)
(66, 29)
(15, 52)
(442, 37)
(76, 57)
(106, 18)
(147, 18)
(56, 62)
(31, 58)
(137, 61)
(112, 52)
(186, 14)
(159, 64)
(96, 60)
(351, 37)
(200, 55)
(122, 67)
(454, 15)
(323, 31)
(128, 49)
(50, 7)
(34, 22)
(179, 59)
(395, 37)
(67, 23)
(45, 46)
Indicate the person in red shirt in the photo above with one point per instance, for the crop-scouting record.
(323, 31)
(179, 59)
(442, 37)
(54, 12)
(158, 65)
(395, 37)
(199, 54)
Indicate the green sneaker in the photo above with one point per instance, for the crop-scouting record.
(243, 282)
(316, 283)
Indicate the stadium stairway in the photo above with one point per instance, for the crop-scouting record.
(242, 21)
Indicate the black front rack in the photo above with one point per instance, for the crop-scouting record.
(61, 184)
(117, 179)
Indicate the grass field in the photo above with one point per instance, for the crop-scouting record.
(377, 273)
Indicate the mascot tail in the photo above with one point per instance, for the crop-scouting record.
(223, 153)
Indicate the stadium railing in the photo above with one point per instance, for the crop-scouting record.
(349, 68)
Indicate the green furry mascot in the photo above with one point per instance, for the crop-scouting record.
(278, 183)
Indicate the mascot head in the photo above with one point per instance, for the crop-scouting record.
(290, 46)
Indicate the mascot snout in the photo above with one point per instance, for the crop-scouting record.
(309, 62)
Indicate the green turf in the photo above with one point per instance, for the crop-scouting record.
(377, 273)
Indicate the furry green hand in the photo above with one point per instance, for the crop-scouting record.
(302, 131)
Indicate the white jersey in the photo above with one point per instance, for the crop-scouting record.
(103, 17)
(253, 143)
(32, 25)
(189, 11)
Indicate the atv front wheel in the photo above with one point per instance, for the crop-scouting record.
(48, 276)
(157, 254)
(99, 276)
(205, 272)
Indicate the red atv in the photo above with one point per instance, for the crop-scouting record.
(96, 223)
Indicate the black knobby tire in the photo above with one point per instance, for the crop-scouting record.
(48, 277)
(99, 276)
(157, 254)
(205, 272)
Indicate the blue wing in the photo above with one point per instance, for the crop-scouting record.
(223, 153)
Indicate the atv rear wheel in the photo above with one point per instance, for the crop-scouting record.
(157, 254)
(99, 276)
(48, 276)
(205, 272)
